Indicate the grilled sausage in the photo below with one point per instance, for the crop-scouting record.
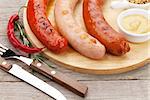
(42, 28)
(97, 26)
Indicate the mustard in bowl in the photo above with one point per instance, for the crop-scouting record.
(135, 24)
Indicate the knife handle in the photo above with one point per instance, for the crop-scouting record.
(60, 78)
(4, 65)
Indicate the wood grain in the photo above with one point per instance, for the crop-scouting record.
(101, 90)
(134, 85)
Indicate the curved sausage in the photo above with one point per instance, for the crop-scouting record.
(42, 28)
(97, 26)
(77, 37)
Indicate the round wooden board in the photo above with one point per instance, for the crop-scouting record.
(137, 57)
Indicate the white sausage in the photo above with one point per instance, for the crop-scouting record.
(77, 37)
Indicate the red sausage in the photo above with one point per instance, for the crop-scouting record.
(97, 26)
(42, 28)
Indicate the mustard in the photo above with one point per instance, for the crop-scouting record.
(136, 23)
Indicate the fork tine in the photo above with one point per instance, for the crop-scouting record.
(3, 47)
(2, 50)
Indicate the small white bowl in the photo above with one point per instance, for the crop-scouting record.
(127, 4)
(133, 37)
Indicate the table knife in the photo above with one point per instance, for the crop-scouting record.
(60, 78)
(20, 73)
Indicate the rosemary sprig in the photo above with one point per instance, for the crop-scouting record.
(24, 38)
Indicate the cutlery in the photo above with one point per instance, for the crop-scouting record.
(20, 73)
(60, 78)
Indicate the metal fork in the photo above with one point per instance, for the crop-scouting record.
(5, 52)
(60, 78)
(8, 53)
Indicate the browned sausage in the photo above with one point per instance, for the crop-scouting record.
(42, 28)
(97, 26)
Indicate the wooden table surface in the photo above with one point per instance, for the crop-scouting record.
(133, 85)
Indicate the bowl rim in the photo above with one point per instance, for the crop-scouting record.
(125, 13)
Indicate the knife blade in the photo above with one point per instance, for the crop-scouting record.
(20, 73)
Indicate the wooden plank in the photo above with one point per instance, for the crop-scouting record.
(5, 12)
(11, 4)
(98, 90)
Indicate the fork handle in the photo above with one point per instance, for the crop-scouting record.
(60, 78)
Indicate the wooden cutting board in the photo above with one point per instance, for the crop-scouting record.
(136, 58)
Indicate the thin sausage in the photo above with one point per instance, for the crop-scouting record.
(77, 37)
